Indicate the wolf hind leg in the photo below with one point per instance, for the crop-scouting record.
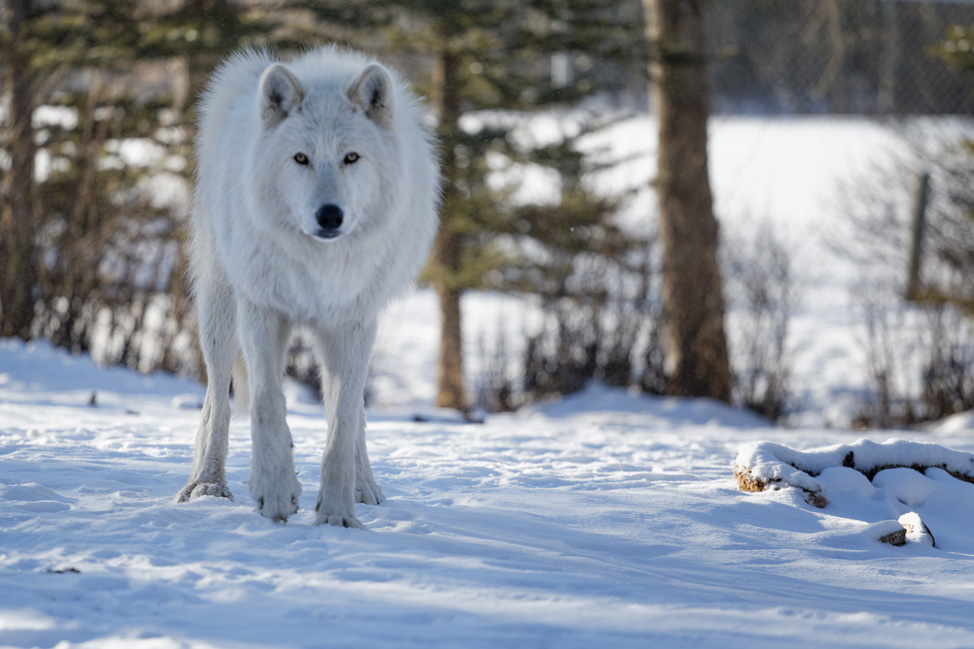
(367, 490)
(218, 340)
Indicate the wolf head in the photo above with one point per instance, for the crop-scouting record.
(329, 146)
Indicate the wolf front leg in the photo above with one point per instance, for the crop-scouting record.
(264, 335)
(218, 340)
(344, 353)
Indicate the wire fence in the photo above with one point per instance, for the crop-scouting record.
(826, 114)
(865, 57)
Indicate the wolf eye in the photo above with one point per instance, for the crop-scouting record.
(351, 158)
(301, 158)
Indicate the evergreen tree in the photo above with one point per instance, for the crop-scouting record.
(475, 55)
(591, 276)
(95, 251)
(18, 270)
(692, 286)
(489, 55)
(957, 47)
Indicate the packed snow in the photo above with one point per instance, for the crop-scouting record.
(604, 519)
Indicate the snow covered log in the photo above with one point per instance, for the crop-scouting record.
(765, 465)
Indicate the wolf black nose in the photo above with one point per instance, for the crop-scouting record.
(330, 218)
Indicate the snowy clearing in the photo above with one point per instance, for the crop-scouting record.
(604, 520)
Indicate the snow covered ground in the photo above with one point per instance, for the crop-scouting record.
(605, 520)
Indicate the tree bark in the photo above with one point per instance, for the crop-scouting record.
(447, 247)
(693, 299)
(18, 271)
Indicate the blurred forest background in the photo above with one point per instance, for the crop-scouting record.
(98, 117)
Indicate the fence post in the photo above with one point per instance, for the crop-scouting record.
(916, 245)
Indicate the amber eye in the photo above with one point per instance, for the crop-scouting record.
(351, 158)
(301, 158)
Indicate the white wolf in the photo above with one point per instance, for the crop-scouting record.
(315, 204)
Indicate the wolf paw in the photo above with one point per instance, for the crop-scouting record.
(278, 502)
(276, 509)
(367, 492)
(341, 521)
(333, 514)
(195, 490)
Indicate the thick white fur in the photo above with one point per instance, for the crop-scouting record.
(261, 265)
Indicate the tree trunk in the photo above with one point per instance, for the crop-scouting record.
(447, 247)
(18, 271)
(450, 390)
(692, 293)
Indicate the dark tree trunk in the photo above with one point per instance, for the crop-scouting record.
(18, 269)
(692, 292)
(450, 390)
(447, 248)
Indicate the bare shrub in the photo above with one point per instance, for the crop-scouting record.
(919, 355)
(948, 364)
(762, 294)
(498, 389)
(111, 273)
(604, 323)
(921, 362)
(888, 351)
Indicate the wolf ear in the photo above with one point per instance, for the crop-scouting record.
(372, 92)
(279, 94)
